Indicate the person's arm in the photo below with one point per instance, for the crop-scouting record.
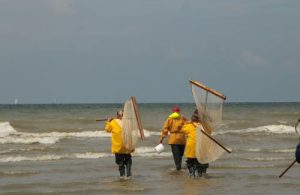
(108, 126)
(184, 129)
(165, 131)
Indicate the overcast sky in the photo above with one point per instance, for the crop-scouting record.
(93, 51)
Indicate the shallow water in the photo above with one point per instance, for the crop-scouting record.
(62, 149)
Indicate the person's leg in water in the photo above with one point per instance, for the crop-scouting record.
(181, 151)
(190, 166)
(120, 161)
(176, 151)
(128, 165)
(204, 169)
(199, 168)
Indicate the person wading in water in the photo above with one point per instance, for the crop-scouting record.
(173, 126)
(122, 155)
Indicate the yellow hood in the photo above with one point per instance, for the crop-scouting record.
(174, 115)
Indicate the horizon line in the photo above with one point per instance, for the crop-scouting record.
(94, 103)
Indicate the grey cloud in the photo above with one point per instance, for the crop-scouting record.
(62, 6)
(251, 59)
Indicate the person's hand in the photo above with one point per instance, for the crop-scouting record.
(161, 140)
(109, 119)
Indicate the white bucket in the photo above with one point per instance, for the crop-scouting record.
(159, 148)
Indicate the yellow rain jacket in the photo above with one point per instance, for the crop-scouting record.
(115, 129)
(190, 131)
(173, 125)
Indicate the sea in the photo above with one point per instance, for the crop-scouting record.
(62, 149)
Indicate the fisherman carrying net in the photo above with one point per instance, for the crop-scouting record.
(126, 131)
(195, 168)
(122, 154)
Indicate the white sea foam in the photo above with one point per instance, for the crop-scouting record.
(150, 152)
(6, 129)
(140, 152)
(87, 155)
(8, 135)
(28, 140)
(269, 150)
(285, 150)
(150, 133)
(24, 149)
(29, 158)
(238, 166)
(267, 158)
(276, 129)
(253, 150)
(91, 155)
(163, 154)
(47, 138)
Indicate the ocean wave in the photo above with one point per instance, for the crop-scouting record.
(49, 157)
(269, 150)
(28, 140)
(150, 133)
(160, 155)
(268, 158)
(285, 150)
(30, 149)
(17, 173)
(6, 129)
(275, 129)
(86, 155)
(52, 137)
(150, 152)
(29, 158)
(239, 166)
(141, 150)
(8, 135)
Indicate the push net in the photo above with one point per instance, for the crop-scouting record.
(132, 127)
(209, 104)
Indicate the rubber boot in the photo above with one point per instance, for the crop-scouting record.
(192, 171)
(199, 170)
(189, 165)
(204, 173)
(128, 167)
(122, 170)
(204, 170)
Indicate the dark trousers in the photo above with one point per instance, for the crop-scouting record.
(124, 161)
(195, 167)
(297, 153)
(177, 151)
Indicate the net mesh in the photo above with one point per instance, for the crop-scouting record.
(206, 150)
(130, 133)
(209, 108)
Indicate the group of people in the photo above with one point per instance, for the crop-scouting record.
(182, 139)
